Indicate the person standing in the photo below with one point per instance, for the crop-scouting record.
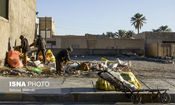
(25, 48)
(41, 45)
(61, 58)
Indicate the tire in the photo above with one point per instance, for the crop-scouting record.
(165, 98)
(136, 98)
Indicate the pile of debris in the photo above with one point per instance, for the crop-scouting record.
(73, 68)
(34, 68)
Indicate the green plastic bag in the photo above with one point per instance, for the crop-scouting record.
(37, 70)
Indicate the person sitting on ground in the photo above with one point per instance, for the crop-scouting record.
(61, 58)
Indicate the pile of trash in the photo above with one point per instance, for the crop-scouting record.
(72, 68)
(34, 68)
(117, 67)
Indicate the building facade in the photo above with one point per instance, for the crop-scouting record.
(46, 27)
(17, 17)
(96, 45)
(158, 44)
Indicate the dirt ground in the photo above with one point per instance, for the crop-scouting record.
(149, 69)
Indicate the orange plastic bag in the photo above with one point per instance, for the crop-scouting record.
(13, 59)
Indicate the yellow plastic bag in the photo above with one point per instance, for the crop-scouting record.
(102, 84)
(50, 56)
(129, 76)
(108, 61)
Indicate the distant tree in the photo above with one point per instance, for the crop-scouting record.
(129, 34)
(155, 30)
(109, 34)
(103, 34)
(162, 29)
(138, 21)
(121, 33)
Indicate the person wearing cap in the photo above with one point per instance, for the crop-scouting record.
(25, 48)
(61, 58)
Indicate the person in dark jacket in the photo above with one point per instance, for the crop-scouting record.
(61, 58)
(25, 48)
(41, 45)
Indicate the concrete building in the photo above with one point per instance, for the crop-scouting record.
(95, 45)
(46, 27)
(158, 44)
(16, 17)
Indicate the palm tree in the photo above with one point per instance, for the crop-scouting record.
(121, 33)
(162, 29)
(129, 34)
(138, 21)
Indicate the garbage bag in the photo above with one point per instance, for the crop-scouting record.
(104, 65)
(113, 65)
(102, 84)
(127, 78)
(37, 70)
(70, 66)
(104, 59)
(130, 82)
(14, 60)
(37, 63)
(122, 63)
(49, 56)
(84, 67)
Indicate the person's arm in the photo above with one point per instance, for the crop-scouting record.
(68, 56)
(32, 44)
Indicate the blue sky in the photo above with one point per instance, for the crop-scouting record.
(77, 17)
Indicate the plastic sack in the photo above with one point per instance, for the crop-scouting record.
(122, 63)
(102, 84)
(37, 63)
(14, 60)
(84, 67)
(37, 70)
(49, 56)
(70, 66)
(104, 59)
(127, 78)
(113, 65)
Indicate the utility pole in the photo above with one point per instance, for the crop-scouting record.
(45, 29)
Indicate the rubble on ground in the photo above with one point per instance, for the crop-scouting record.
(73, 68)
(141, 66)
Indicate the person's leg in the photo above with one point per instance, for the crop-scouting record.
(37, 53)
(61, 68)
(25, 59)
(44, 58)
(58, 67)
